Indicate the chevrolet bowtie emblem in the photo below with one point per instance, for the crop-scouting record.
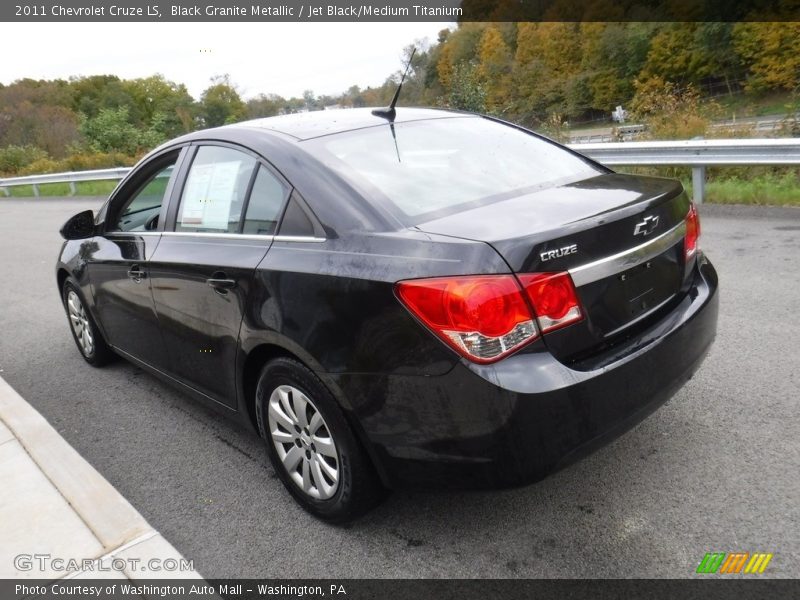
(646, 226)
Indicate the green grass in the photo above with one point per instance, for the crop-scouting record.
(748, 105)
(83, 188)
(770, 189)
(768, 186)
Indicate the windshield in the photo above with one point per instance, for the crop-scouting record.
(427, 169)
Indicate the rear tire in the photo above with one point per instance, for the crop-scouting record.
(311, 446)
(87, 336)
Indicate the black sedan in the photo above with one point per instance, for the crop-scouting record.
(424, 299)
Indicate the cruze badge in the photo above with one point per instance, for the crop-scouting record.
(647, 226)
(558, 253)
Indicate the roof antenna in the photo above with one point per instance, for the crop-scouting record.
(389, 113)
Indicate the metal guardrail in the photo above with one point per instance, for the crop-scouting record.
(70, 177)
(763, 125)
(697, 154)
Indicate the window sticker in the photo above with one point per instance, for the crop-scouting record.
(209, 194)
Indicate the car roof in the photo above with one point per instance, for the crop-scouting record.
(303, 126)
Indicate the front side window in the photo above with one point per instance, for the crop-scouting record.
(213, 197)
(141, 211)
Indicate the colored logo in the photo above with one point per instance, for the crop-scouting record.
(734, 562)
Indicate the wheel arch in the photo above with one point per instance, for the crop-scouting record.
(61, 277)
(262, 353)
(254, 361)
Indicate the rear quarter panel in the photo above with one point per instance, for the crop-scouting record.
(332, 303)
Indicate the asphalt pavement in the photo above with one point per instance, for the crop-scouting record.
(715, 469)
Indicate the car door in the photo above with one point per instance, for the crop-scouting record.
(202, 271)
(117, 260)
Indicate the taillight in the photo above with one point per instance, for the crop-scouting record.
(486, 317)
(692, 233)
(553, 298)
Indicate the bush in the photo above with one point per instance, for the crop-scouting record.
(466, 92)
(671, 112)
(556, 128)
(43, 165)
(78, 162)
(98, 160)
(112, 132)
(14, 158)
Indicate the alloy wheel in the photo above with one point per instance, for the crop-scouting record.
(303, 442)
(80, 323)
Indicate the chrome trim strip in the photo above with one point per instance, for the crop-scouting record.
(616, 263)
(225, 235)
(299, 238)
(244, 236)
(123, 233)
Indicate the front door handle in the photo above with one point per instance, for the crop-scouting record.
(136, 273)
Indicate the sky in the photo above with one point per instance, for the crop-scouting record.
(280, 58)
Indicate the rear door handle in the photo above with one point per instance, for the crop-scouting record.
(221, 284)
(136, 273)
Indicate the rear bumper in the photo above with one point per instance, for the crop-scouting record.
(514, 422)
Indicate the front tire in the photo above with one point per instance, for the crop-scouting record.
(311, 446)
(87, 336)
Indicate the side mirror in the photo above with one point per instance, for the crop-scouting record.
(79, 227)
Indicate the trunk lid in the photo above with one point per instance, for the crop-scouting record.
(619, 236)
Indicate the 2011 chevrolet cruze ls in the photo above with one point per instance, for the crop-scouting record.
(434, 299)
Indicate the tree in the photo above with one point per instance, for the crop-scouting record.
(445, 66)
(547, 60)
(466, 90)
(165, 104)
(38, 92)
(310, 100)
(353, 97)
(718, 61)
(38, 113)
(265, 105)
(94, 93)
(671, 54)
(459, 46)
(414, 88)
(50, 128)
(112, 131)
(613, 55)
(220, 103)
(771, 52)
(494, 68)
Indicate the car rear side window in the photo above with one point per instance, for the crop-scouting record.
(266, 201)
(295, 220)
(213, 197)
(426, 169)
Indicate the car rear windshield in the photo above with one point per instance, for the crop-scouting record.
(428, 169)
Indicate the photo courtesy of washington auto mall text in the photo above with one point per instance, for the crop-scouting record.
(404, 299)
(175, 589)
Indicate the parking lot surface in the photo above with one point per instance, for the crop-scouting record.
(715, 469)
